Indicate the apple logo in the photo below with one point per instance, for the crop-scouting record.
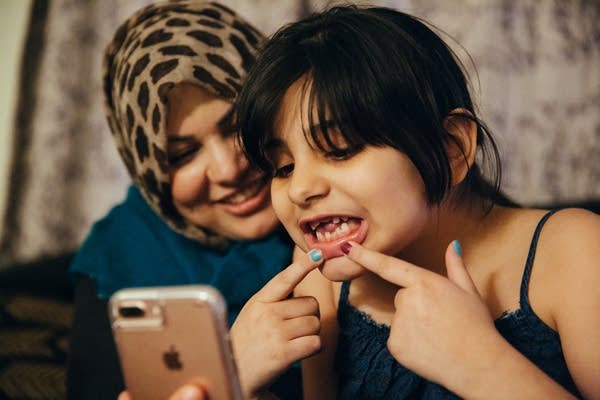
(171, 359)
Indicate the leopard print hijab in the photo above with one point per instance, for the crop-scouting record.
(163, 44)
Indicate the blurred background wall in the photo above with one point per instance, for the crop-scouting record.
(14, 16)
(537, 83)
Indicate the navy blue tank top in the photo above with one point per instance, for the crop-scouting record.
(366, 370)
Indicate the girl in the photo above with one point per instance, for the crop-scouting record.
(364, 119)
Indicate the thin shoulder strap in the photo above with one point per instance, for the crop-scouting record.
(344, 294)
(524, 295)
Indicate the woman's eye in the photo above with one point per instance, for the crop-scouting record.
(182, 156)
(284, 171)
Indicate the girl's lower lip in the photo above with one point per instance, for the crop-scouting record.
(332, 248)
(248, 206)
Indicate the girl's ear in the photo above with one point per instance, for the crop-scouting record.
(462, 144)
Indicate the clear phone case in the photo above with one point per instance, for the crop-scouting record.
(169, 336)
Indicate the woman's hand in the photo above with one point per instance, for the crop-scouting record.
(441, 329)
(273, 330)
(187, 392)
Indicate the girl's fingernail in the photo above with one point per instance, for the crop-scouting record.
(345, 247)
(315, 255)
(457, 247)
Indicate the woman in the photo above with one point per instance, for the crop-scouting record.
(196, 212)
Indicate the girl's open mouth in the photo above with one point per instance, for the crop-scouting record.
(329, 232)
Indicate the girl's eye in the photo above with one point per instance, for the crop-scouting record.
(182, 156)
(284, 171)
(343, 154)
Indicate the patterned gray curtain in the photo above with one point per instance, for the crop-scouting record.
(65, 170)
(537, 82)
(538, 65)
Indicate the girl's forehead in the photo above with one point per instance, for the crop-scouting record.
(292, 114)
(299, 107)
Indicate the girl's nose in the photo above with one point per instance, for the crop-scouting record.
(307, 184)
(228, 163)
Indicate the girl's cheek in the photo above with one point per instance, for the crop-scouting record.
(278, 200)
(283, 210)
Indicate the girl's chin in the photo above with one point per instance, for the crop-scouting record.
(339, 269)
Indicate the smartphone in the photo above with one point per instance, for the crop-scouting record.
(167, 336)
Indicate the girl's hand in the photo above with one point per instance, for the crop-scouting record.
(273, 330)
(441, 329)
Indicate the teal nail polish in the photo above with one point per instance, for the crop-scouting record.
(315, 255)
(457, 247)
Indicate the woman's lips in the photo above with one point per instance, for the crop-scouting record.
(246, 201)
(327, 234)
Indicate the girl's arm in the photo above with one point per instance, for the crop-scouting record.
(566, 277)
(575, 290)
(318, 373)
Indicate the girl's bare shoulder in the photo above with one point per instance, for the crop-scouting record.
(566, 256)
(571, 254)
(568, 259)
(568, 244)
(565, 234)
(572, 236)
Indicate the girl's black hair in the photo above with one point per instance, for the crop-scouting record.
(382, 78)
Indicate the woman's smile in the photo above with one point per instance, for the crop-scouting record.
(246, 200)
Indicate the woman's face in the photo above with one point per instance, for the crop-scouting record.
(374, 196)
(212, 184)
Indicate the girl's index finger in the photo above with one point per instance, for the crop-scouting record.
(394, 270)
(284, 283)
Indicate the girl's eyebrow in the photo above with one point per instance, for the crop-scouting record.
(276, 144)
(273, 144)
(322, 127)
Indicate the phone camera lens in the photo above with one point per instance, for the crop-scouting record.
(131, 312)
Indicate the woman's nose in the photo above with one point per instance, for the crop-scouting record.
(308, 183)
(228, 163)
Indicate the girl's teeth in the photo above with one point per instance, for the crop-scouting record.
(336, 220)
(344, 228)
(340, 231)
